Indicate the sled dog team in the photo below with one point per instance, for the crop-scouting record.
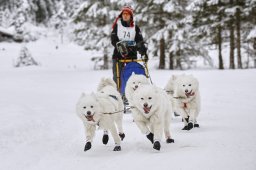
(151, 107)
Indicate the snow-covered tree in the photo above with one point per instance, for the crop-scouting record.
(208, 21)
(25, 58)
(60, 19)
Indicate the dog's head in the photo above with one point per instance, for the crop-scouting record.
(146, 100)
(135, 81)
(186, 86)
(88, 107)
(169, 88)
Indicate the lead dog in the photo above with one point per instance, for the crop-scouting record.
(152, 113)
(103, 109)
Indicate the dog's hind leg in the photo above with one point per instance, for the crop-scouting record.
(119, 124)
(196, 124)
(105, 137)
(167, 131)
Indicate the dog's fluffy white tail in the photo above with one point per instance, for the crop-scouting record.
(106, 82)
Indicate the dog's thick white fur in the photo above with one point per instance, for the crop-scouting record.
(132, 84)
(152, 112)
(169, 88)
(186, 99)
(103, 109)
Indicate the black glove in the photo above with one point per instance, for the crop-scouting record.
(141, 48)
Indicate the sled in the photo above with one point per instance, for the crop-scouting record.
(129, 66)
(138, 66)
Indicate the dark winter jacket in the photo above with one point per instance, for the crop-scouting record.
(115, 39)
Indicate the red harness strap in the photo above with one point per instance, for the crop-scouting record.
(185, 105)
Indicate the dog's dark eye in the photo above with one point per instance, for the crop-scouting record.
(84, 107)
(189, 85)
(133, 82)
(150, 98)
(183, 85)
(142, 98)
(91, 106)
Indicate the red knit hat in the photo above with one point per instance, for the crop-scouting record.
(127, 9)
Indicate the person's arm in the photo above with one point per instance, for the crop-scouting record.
(138, 35)
(114, 37)
(140, 43)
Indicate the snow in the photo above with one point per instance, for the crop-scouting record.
(40, 130)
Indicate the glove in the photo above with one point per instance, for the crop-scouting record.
(142, 48)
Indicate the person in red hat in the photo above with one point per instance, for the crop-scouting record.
(124, 29)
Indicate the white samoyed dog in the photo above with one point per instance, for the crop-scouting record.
(134, 81)
(152, 113)
(103, 109)
(169, 88)
(186, 99)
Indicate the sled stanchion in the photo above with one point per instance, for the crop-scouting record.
(147, 72)
(118, 75)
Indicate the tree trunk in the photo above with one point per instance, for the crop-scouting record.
(171, 53)
(232, 45)
(221, 67)
(105, 56)
(171, 60)
(219, 38)
(238, 40)
(105, 59)
(254, 47)
(162, 54)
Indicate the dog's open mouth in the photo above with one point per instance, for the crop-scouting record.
(134, 88)
(147, 109)
(89, 118)
(191, 93)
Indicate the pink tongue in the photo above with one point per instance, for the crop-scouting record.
(146, 109)
(190, 94)
(89, 118)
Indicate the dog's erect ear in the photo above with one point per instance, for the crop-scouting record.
(133, 73)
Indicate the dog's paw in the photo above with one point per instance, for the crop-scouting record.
(150, 136)
(122, 136)
(169, 140)
(190, 125)
(196, 125)
(185, 128)
(117, 148)
(157, 145)
(87, 146)
(105, 139)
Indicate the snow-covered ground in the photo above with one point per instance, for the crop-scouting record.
(40, 130)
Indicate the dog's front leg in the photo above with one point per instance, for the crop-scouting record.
(192, 118)
(90, 132)
(167, 122)
(116, 137)
(158, 131)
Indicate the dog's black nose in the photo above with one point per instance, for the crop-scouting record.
(136, 86)
(145, 105)
(186, 90)
(89, 113)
